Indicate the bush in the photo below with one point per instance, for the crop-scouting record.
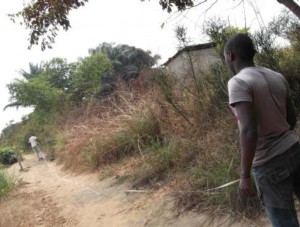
(8, 157)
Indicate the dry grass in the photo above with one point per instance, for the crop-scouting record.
(161, 136)
(106, 130)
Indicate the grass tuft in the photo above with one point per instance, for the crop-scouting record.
(7, 183)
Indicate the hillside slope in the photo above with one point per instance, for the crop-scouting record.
(51, 197)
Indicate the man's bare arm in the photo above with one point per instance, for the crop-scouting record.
(248, 141)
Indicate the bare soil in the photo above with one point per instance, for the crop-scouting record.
(49, 196)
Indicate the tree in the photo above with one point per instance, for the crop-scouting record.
(127, 63)
(59, 72)
(123, 57)
(34, 71)
(37, 93)
(287, 26)
(87, 76)
(44, 18)
(292, 6)
(44, 87)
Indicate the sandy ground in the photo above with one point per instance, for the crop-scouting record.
(51, 197)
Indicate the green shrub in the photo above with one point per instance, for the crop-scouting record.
(7, 156)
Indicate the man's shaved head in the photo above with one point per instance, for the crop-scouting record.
(242, 46)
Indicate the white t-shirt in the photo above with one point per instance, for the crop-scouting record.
(268, 91)
(32, 141)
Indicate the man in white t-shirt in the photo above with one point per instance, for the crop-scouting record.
(34, 144)
(260, 100)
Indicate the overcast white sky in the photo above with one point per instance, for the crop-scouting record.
(120, 21)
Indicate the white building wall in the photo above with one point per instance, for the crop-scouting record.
(201, 60)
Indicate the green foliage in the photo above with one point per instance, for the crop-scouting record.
(127, 63)
(165, 155)
(8, 157)
(162, 157)
(8, 148)
(16, 135)
(56, 86)
(59, 143)
(284, 59)
(217, 83)
(168, 85)
(181, 5)
(123, 56)
(219, 32)
(287, 26)
(36, 92)
(87, 76)
(59, 72)
(266, 49)
(7, 183)
(34, 71)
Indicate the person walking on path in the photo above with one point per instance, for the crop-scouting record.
(260, 100)
(35, 146)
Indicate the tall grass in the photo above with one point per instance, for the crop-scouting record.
(202, 122)
(7, 183)
(139, 133)
(110, 129)
(179, 136)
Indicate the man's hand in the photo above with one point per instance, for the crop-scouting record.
(246, 187)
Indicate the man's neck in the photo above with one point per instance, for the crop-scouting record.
(243, 65)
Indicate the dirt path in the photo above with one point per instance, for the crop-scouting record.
(51, 197)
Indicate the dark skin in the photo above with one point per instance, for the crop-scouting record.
(245, 114)
(248, 140)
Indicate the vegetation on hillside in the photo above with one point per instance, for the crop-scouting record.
(151, 129)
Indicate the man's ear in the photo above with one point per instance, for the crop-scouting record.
(230, 56)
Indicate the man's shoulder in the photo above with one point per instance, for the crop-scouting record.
(264, 70)
(237, 80)
(254, 74)
(249, 72)
(244, 75)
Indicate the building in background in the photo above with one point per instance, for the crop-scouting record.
(193, 60)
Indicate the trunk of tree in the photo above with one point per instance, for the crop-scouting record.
(292, 6)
